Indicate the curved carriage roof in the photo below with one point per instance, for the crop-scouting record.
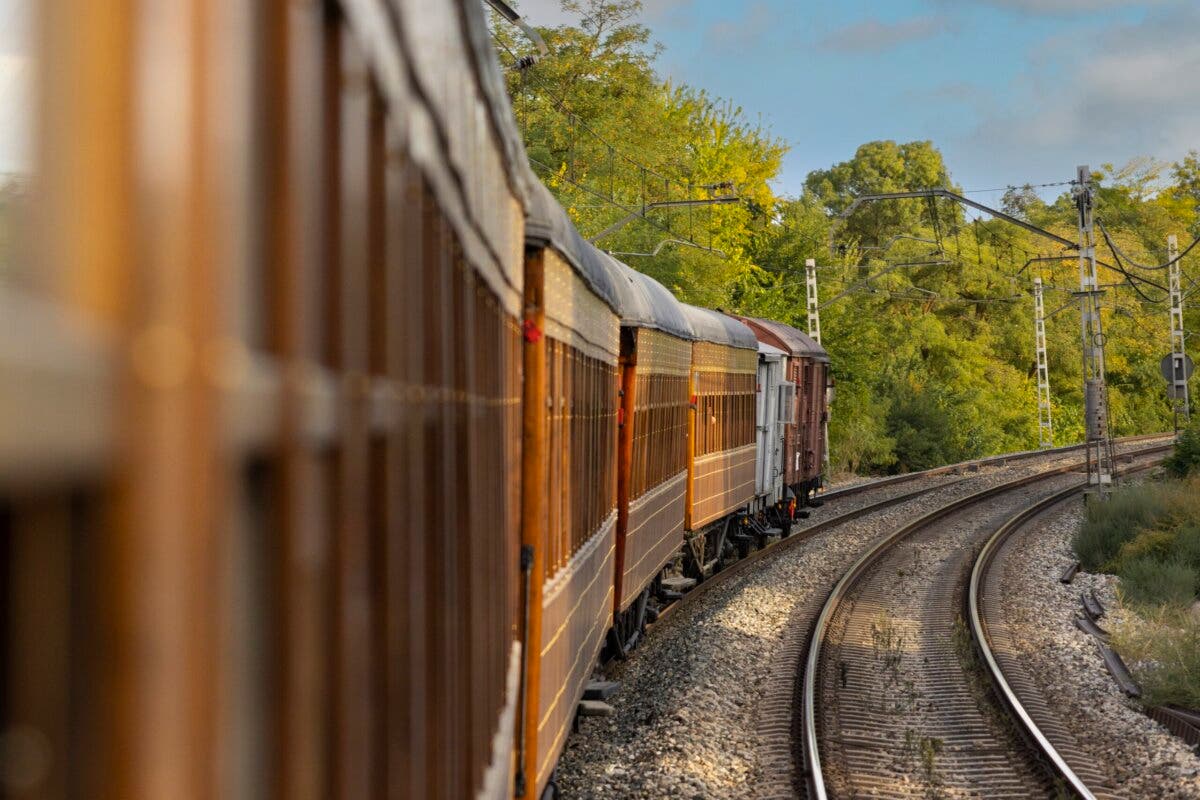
(547, 224)
(795, 341)
(646, 303)
(713, 326)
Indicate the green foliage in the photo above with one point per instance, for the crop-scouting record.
(610, 137)
(1185, 458)
(1110, 525)
(927, 312)
(1149, 581)
(1149, 536)
(920, 429)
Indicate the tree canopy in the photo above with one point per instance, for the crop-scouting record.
(929, 315)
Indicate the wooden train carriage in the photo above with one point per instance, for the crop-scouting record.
(721, 447)
(807, 368)
(656, 355)
(814, 387)
(261, 376)
(572, 335)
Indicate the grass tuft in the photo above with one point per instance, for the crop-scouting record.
(1149, 581)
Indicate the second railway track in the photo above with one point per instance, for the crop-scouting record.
(894, 704)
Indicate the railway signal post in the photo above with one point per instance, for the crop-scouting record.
(1095, 391)
(1179, 381)
(814, 330)
(1045, 424)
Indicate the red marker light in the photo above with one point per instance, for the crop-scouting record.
(532, 333)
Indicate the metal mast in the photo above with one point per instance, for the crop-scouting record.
(810, 291)
(1045, 425)
(1179, 382)
(814, 330)
(1095, 391)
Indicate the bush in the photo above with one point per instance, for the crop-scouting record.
(1109, 525)
(1187, 545)
(1186, 457)
(1155, 543)
(1148, 581)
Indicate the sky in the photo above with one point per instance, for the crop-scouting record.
(1011, 91)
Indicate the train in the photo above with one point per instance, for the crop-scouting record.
(343, 455)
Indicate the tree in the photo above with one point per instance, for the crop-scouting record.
(610, 138)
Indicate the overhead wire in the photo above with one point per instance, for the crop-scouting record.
(1117, 251)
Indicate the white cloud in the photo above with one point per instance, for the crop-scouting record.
(744, 32)
(1051, 7)
(876, 36)
(549, 13)
(1130, 90)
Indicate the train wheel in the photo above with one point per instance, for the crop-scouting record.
(629, 626)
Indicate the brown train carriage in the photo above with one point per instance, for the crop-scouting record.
(721, 447)
(572, 332)
(259, 516)
(807, 369)
(656, 357)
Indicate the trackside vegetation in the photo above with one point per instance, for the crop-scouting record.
(1149, 536)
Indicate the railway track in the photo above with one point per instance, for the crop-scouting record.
(1016, 689)
(683, 671)
(954, 473)
(893, 704)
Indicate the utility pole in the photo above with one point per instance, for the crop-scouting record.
(1095, 391)
(814, 330)
(1045, 425)
(1179, 384)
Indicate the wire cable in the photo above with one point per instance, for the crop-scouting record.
(1121, 254)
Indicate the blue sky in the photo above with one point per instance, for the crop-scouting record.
(1012, 91)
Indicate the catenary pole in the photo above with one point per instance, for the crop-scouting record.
(1095, 391)
(814, 330)
(1179, 388)
(1045, 424)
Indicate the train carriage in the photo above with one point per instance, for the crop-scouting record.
(572, 335)
(807, 370)
(260, 516)
(340, 450)
(721, 445)
(776, 409)
(656, 352)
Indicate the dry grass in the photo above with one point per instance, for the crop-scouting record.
(1163, 649)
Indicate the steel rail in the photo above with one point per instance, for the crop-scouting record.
(979, 628)
(810, 743)
(809, 531)
(1002, 459)
(842, 588)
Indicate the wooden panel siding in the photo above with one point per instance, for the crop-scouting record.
(721, 473)
(260, 523)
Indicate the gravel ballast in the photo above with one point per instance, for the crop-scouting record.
(1141, 758)
(687, 712)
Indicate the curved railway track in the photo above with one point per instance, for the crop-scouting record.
(802, 533)
(875, 506)
(892, 701)
(1011, 682)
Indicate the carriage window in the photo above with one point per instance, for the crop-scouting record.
(16, 110)
(787, 403)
